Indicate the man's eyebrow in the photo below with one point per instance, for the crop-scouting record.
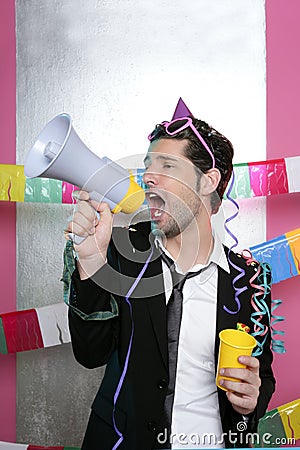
(167, 158)
(161, 157)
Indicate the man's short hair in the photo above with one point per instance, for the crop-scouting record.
(220, 146)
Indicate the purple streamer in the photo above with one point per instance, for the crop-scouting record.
(238, 291)
(121, 381)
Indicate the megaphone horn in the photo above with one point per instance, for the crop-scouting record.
(59, 153)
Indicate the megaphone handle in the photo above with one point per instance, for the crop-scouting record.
(79, 239)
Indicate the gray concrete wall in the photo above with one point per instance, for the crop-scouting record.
(118, 67)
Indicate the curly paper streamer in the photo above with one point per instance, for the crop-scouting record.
(121, 381)
(277, 345)
(262, 289)
(238, 291)
(259, 305)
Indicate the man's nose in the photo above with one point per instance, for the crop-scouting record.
(150, 178)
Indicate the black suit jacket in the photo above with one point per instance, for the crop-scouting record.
(138, 412)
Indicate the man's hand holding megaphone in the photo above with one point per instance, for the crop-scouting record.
(59, 153)
(95, 229)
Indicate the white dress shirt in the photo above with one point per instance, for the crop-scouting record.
(196, 419)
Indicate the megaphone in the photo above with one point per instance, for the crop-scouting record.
(59, 153)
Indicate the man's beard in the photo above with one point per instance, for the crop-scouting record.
(182, 216)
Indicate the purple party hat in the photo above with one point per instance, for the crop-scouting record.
(181, 110)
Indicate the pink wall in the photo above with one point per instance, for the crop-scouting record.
(8, 212)
(283, 211)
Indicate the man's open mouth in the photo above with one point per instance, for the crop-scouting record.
(156, 204)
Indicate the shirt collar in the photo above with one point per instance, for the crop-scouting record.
(217, 256)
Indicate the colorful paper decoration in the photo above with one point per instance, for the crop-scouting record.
(282, 253)
(43, 190)
(34, 328)
(241, 187)
(12, 183)
(268, 178)
(3, 346)
(37, 447)
(278, 426)
(10, 446)
(293, 170)
(22, 331)
(67, 190)
(278, 176)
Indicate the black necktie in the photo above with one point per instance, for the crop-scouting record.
(174, 314)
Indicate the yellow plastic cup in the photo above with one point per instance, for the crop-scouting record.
(233, 343)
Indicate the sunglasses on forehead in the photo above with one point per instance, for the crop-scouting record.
(176, 126)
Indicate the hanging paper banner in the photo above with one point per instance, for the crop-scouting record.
(12, 183)
(293, 170)
(268, 178)
(10, 446)
(255, 179)
(34, 328)
(282, 253)
(37, 447)
(67, 190)
(3, 346)
(22, 331)
(280, 427)
(241, 186)
(43, 190)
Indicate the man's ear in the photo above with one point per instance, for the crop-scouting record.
(210, 181)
